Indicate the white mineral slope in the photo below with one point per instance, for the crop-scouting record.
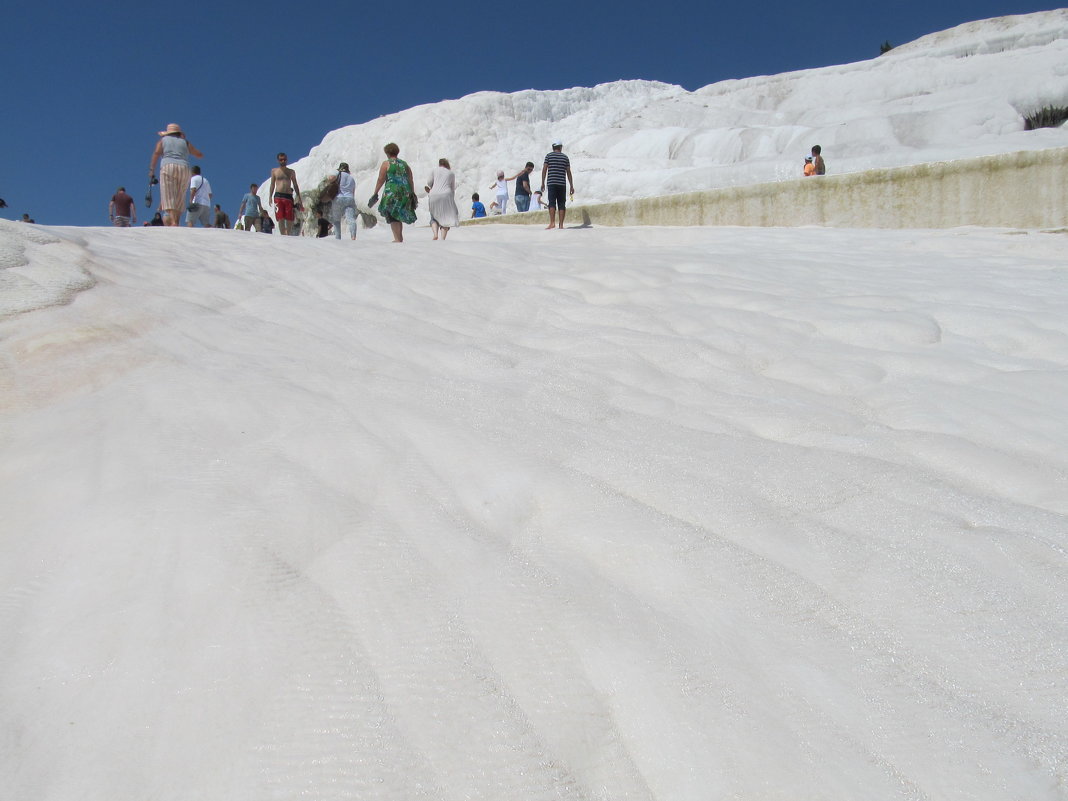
(625, 515)
(954, 94)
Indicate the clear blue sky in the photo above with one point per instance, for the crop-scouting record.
(88, 86)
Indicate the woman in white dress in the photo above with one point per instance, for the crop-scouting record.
(443, 212)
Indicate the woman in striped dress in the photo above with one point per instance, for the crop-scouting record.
(172, 152)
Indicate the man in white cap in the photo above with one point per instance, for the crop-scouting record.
(556, 176)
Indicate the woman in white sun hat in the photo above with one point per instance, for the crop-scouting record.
(172, 152)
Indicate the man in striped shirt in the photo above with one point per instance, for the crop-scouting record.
(555, 176)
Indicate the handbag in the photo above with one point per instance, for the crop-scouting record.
(192, 205)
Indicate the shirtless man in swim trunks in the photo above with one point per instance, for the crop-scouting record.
(284, 189)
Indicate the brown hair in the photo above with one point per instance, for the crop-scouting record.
(443, 162)
(391, 150)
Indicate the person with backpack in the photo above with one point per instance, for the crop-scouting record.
(222, 219)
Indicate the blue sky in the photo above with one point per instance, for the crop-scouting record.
(87, 87)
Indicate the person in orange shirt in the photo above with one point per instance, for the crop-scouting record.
(810, 168)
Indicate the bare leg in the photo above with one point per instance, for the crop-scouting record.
(435, 228)
(444, 233)
(562, 213)
(552, 218)
(398, 231)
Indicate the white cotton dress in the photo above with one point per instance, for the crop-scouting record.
(443, 209)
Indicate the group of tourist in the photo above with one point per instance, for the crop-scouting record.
(394, 193)
(814, 164)
(397, 200)
(178, 179)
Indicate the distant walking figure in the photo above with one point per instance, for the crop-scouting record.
(200, 196)
(122, 209)
(344, 204)
(250, 210)
(817, 159)
(172, 153)
(285, 192)
(555, 176)
(501, 186)
(398, 192)
(441, 187)
(522, 187)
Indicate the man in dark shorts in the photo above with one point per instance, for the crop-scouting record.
(556, 176)
(122, 209)
(286, 195)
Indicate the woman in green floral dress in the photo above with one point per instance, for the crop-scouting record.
(398, 193)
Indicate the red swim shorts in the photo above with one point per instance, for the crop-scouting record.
(283, 206)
